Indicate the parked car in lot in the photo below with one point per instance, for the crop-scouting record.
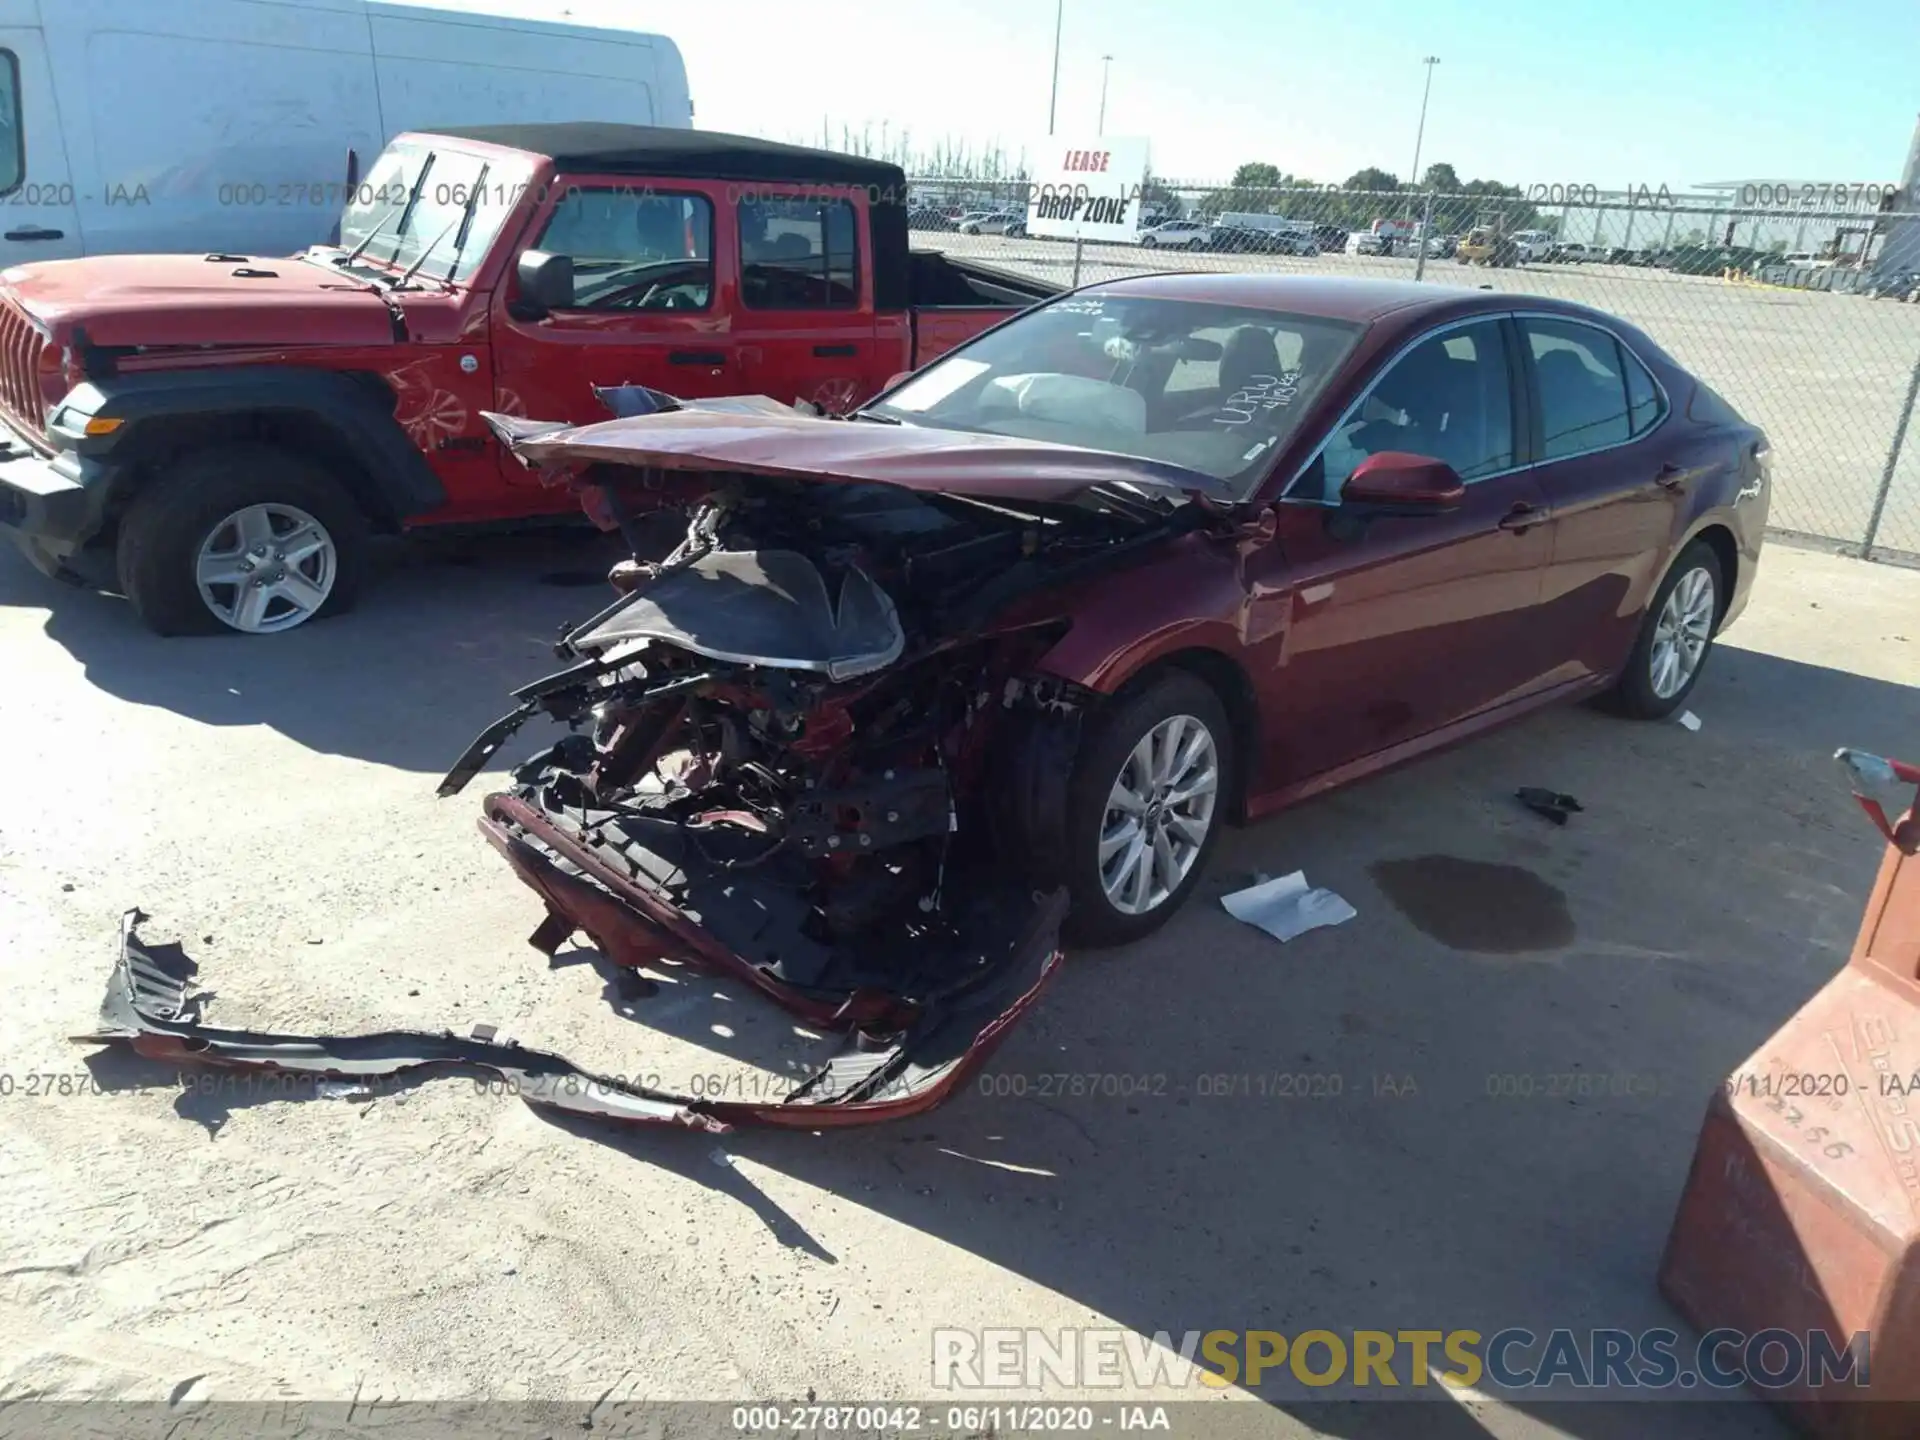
(929, 218)
(1264, 234)
(1236, 239)
(1573, 252)
(1369, 242)
(1532, 246)
(1088, 615)
(1330, 239)
(995, 222)
(1179, 235)
(230, 428)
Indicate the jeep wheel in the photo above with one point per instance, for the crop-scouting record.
(244, 537)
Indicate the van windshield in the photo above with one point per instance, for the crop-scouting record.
(414, 201)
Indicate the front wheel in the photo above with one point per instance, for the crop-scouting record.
(1675, 636)
(1148, 794)
(243, 537)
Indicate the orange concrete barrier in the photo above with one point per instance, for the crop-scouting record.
(1802, 1210)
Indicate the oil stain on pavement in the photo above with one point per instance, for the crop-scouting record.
(1474, 905)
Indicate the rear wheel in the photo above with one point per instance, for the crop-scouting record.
(1196, 243)
(1675, 636)
(1147, 242)
(245, 537)
(1144, 809)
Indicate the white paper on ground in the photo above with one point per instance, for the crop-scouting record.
(1690, 720)
(1287, 907)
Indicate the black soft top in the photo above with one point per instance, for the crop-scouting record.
(692, 154)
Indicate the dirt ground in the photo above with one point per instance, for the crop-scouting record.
(271, 804)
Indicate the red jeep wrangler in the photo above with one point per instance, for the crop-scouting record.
(232, 430)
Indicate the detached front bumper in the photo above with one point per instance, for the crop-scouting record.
(875, 1078)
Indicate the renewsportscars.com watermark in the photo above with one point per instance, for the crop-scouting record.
(1382, 1360)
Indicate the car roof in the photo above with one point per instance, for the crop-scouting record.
(696, 154)
(1332, 297)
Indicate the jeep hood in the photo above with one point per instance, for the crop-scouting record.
(179, 300)
(760, 436)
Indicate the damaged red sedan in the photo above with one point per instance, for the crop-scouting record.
(995, 659)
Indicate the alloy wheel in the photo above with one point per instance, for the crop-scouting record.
(1158, 814)
(266, 568)
(1681, 633)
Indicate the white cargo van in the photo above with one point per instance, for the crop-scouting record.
(184, 125)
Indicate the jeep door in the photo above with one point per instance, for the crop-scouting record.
(650, 305)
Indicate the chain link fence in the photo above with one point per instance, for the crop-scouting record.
(1801, 305)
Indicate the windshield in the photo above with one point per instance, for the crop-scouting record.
(414, 197)
(1216, 389)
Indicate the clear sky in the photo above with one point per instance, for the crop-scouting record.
(1614, 93)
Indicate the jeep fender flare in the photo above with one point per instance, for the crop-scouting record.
(391, 479)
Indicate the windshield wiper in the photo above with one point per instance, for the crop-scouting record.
(432, 245)
(466, 224)
(354, 254)
(404, 213)
(875, 419)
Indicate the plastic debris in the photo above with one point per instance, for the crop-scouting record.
(1690, 720)
(1287, 906)
(1550, 803)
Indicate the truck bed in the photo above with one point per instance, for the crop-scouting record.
(951, 300)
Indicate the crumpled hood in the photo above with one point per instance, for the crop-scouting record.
(761, 436)
(174, 300)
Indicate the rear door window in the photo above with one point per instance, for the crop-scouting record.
(1583, 397)
(799, 254)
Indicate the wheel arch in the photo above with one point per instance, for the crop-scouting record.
(1726, 549)
(344, 420)
(1228, 680)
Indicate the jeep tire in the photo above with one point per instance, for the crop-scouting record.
(191, 504)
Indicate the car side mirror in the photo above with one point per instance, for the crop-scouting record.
(546, 284)
(1398, 483)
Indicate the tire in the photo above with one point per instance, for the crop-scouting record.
(1147, 242)
(1106, 757)
(1637, 693)
(189, 505)
(1196, 243)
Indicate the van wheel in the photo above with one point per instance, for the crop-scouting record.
(244, 537)
(1144, 808)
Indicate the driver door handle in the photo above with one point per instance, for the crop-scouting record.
(36, 232)
(1523, 517)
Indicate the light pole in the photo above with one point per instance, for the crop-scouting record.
(1106, 64)
(1053, 99)
(1421, 134)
